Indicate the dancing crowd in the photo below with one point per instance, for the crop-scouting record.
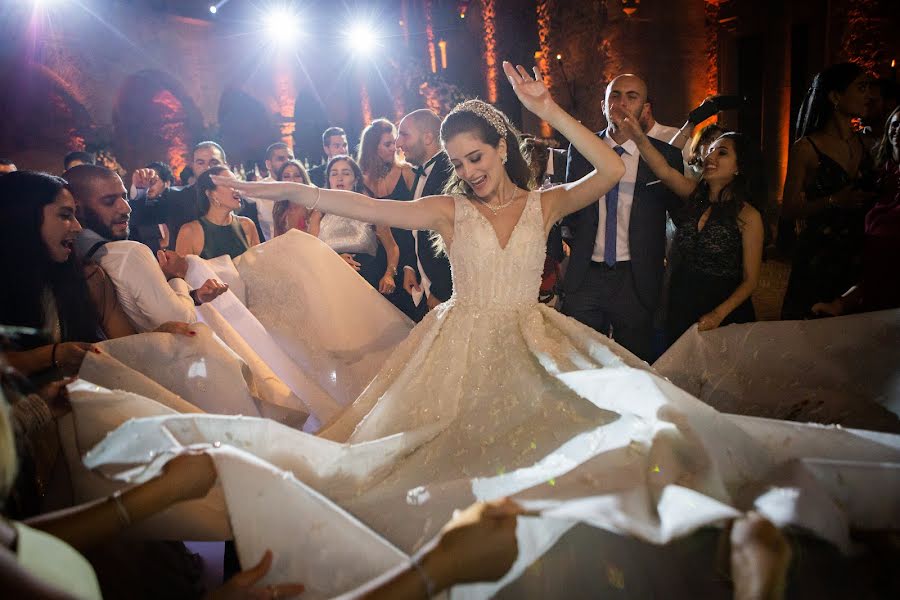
(674, 239)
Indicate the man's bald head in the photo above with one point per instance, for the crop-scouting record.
(627, 91)
(100, 198)
(418, 135)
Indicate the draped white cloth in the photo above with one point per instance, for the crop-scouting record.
(495, 395)
(842, 370)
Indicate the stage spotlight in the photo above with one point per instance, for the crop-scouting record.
(213, 9)
(362, 38)
(283, 25)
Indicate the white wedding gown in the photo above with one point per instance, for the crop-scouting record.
(494, 394)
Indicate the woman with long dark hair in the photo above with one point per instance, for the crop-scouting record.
(879, 285)
(828, 189)
(287, 215)
(219, 230)
(360, 244)
(46, 287)
(717, 252)
(385, 176)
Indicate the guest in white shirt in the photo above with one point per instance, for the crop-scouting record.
(140, 281)
(418, 136)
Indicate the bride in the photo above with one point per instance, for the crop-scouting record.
(494, 394)
(488, 349)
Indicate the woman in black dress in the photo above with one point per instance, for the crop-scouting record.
(828, 190)
(717, 252)
(387, 177)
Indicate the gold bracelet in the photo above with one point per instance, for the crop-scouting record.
(391, 270)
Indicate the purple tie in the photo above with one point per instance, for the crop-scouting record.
(612, 207)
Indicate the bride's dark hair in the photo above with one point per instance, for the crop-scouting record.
(465, 121)
(817, 107)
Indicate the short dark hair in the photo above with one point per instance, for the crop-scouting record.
(276, 146)
(209, 144)
(80, 180)
(185, 176)
(162, 171)
(330, 133)
(85, 157)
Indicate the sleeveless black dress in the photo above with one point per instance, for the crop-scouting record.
(707, 266)
(400, 297)
(827, 259)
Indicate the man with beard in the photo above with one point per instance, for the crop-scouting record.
(618, 245)
(177, 206)
(139, 280)
(418, 135)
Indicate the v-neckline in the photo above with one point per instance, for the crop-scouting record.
(494, 229)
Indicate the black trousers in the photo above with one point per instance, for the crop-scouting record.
(607, 302)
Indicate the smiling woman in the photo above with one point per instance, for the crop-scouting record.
(47, 288)
(219, 231)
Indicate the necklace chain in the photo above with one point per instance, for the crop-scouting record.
(499, 207)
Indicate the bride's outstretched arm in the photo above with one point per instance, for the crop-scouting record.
(608, 167)
(434, 212)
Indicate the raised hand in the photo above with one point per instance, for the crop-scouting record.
(625, 122)
(531, 91)
(143, 178)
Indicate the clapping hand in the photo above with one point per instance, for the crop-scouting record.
(172, 264)
(531, 91)
(210, 290)
(626, 122)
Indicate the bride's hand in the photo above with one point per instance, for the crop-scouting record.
(263, 190)
(531, 91)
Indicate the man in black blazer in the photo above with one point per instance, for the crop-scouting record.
(615, 271)
(177, 206)
(418, 135)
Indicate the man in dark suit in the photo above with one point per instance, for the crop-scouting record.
(418, 135)
(615, 272)
(177, 206)
(334, 143)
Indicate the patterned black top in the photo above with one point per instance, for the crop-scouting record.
(717, 249)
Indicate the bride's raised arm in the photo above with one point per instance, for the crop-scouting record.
(434, 212)
(608, 167)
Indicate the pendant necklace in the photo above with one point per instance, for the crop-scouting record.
(499, 207)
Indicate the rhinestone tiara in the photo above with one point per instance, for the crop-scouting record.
(485, 111)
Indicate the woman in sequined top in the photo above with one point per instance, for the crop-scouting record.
(356, 242)
(719, 239)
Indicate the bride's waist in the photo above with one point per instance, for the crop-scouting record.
(493, 305)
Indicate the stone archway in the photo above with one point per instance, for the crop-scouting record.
(155, 119)
(246, 127)
(42, 117)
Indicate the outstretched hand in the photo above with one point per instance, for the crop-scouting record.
(263, 190)
(531, 91)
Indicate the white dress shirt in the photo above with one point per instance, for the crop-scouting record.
(630, 157)
(264, 210)
(425, 283)
(148, 300)
(663, 133)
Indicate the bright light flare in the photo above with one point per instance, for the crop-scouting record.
(362, 38)
(213, 9)
(283, 26)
